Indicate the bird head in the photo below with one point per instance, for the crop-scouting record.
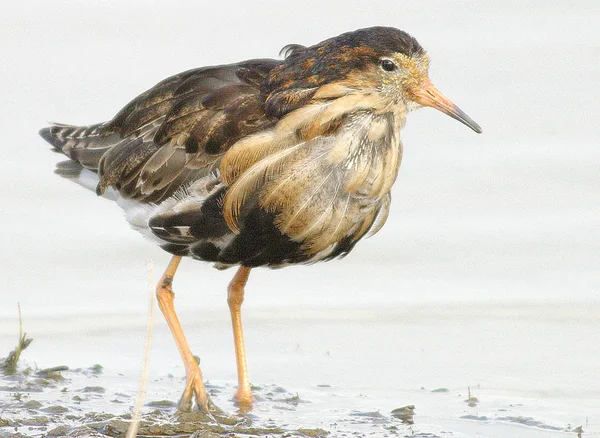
(385, 64)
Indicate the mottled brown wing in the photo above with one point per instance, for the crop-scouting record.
(179, 129)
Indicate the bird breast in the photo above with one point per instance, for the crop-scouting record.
(324, 175)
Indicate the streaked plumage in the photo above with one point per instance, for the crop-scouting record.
(263, 162)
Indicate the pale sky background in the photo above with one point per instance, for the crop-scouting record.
(509, 215)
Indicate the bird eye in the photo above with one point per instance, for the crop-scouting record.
(388, 65)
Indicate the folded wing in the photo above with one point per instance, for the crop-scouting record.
(174, 133)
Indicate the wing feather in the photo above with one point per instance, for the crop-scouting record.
(182, 127)
(251, 180)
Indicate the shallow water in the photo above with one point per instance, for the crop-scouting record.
(485, 276)
(530, 371)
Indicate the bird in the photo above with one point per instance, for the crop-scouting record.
(260, 163)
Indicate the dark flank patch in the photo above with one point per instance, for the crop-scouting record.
(260, 243)
(175, 249)
(206, 251)
(167, 221)
(167, 226)
(203, 223)
(159, 231)
(210, 222)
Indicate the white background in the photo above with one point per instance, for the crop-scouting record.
(512, 214)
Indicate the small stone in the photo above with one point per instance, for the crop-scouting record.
(94, 389)
(405, 414)
(440, 390)
(315, 433)
(33, 404)
(36, 421)
(96, 369)
(375, 414)
(61, 430)
(56, 409)
(53, 373)
(162, 404)
(472, 401)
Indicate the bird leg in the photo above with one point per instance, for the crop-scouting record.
(235, 298)
(194, 382)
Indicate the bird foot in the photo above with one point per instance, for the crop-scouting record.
(195, 391)
(244, 399)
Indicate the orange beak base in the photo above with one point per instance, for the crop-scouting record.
(428, 95)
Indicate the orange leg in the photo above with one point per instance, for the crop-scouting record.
(194, 382)
(235, 298)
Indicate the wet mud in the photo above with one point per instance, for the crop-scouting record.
(59, 401)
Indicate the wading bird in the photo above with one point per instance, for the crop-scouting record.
(260, 163)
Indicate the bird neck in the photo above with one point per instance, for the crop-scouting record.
(369, 147)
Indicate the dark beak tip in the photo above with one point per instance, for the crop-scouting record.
(466, 120)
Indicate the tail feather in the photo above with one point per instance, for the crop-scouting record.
(83, 144)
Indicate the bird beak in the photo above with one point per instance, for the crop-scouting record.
(427, 94)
